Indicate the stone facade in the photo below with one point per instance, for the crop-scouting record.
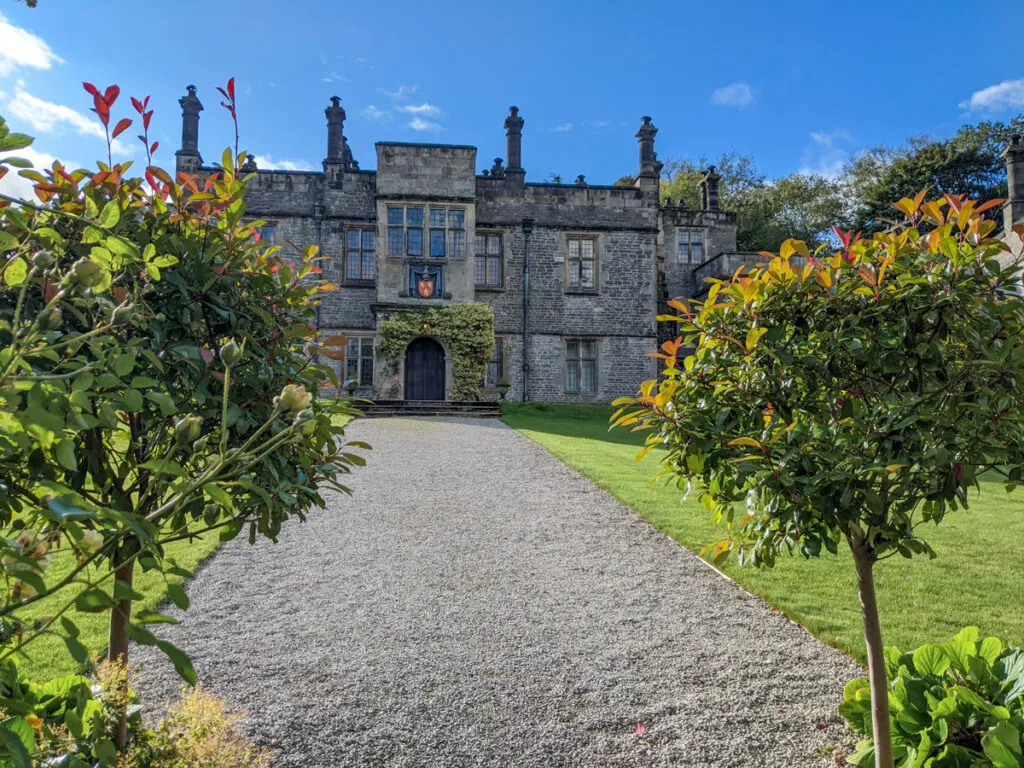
(575, 274)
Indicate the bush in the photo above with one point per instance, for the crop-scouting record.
(953, 705)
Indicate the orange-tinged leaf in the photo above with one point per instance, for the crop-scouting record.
(747, 442)
(335, 341)
(824, 278)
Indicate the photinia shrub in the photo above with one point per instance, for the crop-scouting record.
(848, 396)
(157, 381)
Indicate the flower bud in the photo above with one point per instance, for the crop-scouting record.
(86, 272)
(91, 541)
(306, 419)
(122, 315)
(51, 319)
(187, 429)
(230, 353)
(43, 259)
(294, 397)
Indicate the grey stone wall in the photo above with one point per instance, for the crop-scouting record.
(719, 229)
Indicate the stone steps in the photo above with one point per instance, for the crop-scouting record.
(407, 408)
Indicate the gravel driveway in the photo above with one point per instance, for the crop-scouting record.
(478, 603)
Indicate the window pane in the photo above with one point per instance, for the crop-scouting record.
(588, 350)
(368, 266)
(480, 244)
(574, 274)
(480, 270)
(697, 236)
(366, 347)
(587, 249)
(493, 270)
(395, 216)
(353, 239)
(456, 244)
(437, 242)
(368, 239)
(415, 242)
(352, 349)
(268, 234)
(572, 375)
(395, 241)
(491, 379)
(586, 274)
(352, 368)
(366, 372)
(589, 378)
(574, 249)
(572, 349)
(696, 253)
(494, 244)
(414, 217)
(456, 218)
(352, 270)
(437, 217)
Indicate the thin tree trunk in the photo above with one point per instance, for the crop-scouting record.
(864, 561)
(117, 648)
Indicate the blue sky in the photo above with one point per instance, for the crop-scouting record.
(798, 85)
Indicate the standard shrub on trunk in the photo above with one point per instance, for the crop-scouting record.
(848, 396)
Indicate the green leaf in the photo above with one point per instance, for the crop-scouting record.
(164, 467)
(930, 660)
(12, 141)
(152, 617)
(990, 649)
(181, 661)
(961, 647)
(140, 635)
(8, 242)
(110, 215)
(65, 453)
(93, 601)
(219, 495)
(16, 271)
(177, 595)
(132, 400)
(163, 401)
(105, 751)
(20, 741)
(1002, 746)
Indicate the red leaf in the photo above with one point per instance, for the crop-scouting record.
(100, 106)
(206, 354)
(145, 102)
(151, 179)
(138, 105)
(223, 92)
(231, 89)
(111, 95)
(141, 138)
(91, 89)
(153, 147)
(146, 118)
(821, 726)
(122, 125)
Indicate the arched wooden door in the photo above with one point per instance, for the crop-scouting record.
(424, 370)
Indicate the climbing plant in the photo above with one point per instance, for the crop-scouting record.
(466, 331)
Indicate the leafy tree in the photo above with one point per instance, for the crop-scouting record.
(625, 181)
(156, 383)
(768, 212)
(854, 397)
(969, 163)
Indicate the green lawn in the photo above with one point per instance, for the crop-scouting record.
(977, 578)
(48, 656)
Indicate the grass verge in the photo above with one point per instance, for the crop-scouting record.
(977, 578)
(48, 656)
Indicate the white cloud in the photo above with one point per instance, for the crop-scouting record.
(423, 110)
(825, 156)
(563, 128)
(21, 48)
(403, 92)
(374, 113)
(267, 163)
(14, 185)
(47, 117)
(419, 124)
(334, 77)
(733, 95)
(1008, 94)
(596, 123)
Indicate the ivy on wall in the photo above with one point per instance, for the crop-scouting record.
(465, 330)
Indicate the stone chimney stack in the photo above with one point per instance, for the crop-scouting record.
(1013, 209)
(514, 146)
(649, 165)
(709, 189)
(335, 132)
(188, 159)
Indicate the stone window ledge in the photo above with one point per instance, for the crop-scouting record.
(358, 283)
(489, 288)
(581, 292)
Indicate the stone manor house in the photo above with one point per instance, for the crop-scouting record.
(574, 274)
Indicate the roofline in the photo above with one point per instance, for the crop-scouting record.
(421, 144)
